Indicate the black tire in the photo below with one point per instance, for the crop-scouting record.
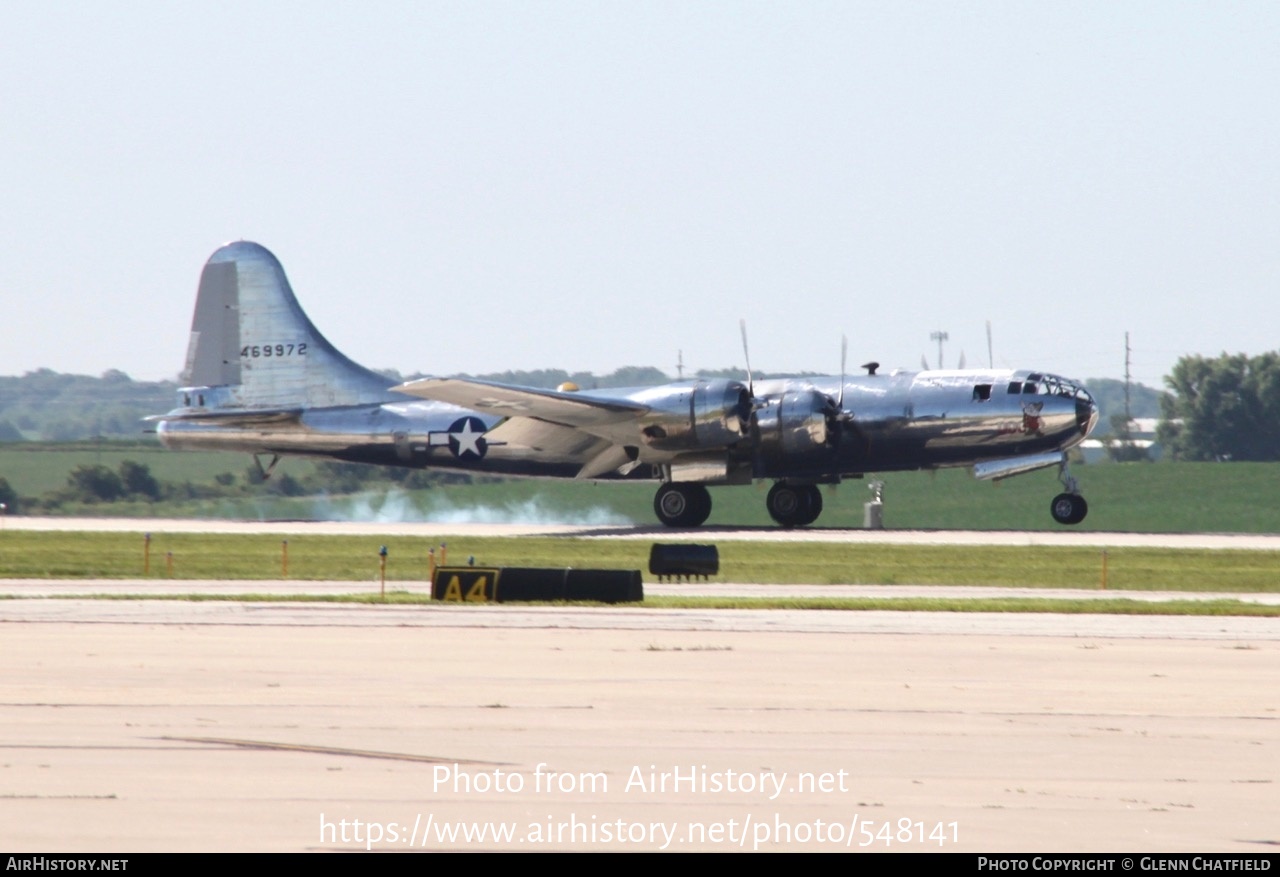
(682, 505)
(1068, 508)
(813, 505)
(794, 505)
(1082, 509)
(703, 508)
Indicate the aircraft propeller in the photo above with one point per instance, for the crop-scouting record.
(844, 360)
(833, 410)
(749, 405)
(834, 413)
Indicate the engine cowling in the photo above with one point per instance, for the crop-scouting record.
(796, 427)
(704, 415)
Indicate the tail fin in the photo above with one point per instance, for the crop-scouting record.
(252, 347)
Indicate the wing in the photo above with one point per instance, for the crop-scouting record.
(653, 424)
(553, 406)
(592, 429)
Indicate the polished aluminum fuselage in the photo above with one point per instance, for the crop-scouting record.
(895, 421)
(932, 419)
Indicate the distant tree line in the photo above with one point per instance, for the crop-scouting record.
(44, 405)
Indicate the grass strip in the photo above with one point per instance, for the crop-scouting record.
(233, 557)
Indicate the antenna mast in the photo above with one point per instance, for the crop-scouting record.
(1127, 350)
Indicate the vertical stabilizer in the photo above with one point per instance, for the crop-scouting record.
(253, 347)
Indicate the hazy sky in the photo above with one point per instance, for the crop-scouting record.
(481, 186)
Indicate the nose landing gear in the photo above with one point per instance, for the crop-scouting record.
(1068, 507)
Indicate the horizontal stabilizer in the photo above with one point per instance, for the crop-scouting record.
(232, 417)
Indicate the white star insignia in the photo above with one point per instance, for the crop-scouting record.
(467, 439)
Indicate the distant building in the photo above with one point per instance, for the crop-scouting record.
(1142, 436)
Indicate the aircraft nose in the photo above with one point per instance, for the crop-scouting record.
(1086, 412)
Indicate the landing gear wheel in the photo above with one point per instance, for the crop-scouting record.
(1068, 508)
(813, 504)
(682, 505)
(794, 505)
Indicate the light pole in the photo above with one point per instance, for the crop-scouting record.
(939, 336)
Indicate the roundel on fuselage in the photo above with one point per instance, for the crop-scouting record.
(466, 438)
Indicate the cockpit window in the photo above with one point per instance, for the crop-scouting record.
(1051, 385)
(1015, 388)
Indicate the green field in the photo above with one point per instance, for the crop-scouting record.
(39, 467)
(1146, 497)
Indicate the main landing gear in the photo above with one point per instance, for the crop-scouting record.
(681, 504)
(1068, 507)
(794, 505)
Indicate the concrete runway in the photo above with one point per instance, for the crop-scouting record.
(129, 726)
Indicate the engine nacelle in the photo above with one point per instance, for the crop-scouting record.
(795, 427)
(703, 415)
